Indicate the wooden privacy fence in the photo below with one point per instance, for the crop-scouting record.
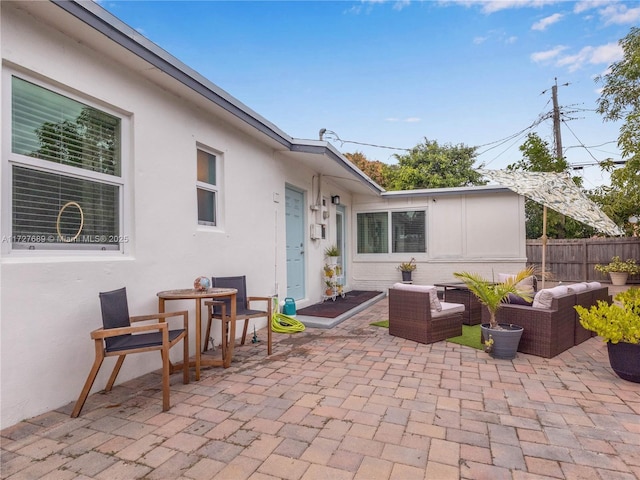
(572, 260)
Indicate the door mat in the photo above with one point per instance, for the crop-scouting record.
(332, 309)
(470, 335)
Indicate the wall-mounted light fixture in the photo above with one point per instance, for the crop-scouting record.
(335, 199)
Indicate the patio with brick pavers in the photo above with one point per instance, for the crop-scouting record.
(351, 402)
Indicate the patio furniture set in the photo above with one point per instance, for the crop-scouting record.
(122, 334)
(551, 324)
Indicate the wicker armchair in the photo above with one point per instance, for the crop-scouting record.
(547, 332)
(411, 316)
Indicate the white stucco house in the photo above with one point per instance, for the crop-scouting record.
(121, 166)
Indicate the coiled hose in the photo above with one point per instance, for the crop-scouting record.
(281, 323)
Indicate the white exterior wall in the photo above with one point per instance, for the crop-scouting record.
(481, 233)
(50, 301)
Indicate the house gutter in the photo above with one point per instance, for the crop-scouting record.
(104, 22)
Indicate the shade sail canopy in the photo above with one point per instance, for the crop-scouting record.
(558, 192)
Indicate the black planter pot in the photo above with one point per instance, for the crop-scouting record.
(406, 276)
(625, 360)
(505, 341)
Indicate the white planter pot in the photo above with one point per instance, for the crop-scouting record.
(618, 278)
(332, 261)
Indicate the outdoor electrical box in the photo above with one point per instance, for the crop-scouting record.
(316, 231)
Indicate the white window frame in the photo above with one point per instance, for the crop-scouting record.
(389, 253)
(215, 189)
(11, 159)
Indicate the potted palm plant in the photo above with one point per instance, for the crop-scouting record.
(619, 270)
(406, 268)
(619, 325)
(501, 340)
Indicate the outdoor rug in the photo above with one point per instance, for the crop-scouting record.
(333, 309)
(470, 335)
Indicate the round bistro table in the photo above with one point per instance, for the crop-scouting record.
(198, 295)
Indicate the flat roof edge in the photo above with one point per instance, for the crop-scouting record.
(441, 192)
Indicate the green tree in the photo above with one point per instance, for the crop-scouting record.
(620, 100)
(537, 157)
(430, 165)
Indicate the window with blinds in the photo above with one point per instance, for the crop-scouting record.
(405, 231)
(65, 172)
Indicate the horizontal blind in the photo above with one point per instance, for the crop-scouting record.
(409, 231)
(45, 210)
(53, 127)
(373, 236)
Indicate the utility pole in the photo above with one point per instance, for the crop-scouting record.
(558, 141)
(556, 119)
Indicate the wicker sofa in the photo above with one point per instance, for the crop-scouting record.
(415, 313)
(551, 330)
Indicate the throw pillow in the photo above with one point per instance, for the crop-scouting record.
(577, 287)
(525, 286)
(434, 301)
(516, 300)
(544, 298)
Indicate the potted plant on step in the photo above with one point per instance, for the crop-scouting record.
(406, 268)
(619, 270)
(501, 340)
(619, 325)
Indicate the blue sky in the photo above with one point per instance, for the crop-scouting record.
(390, 73)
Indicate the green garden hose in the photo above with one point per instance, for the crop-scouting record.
(281, 323)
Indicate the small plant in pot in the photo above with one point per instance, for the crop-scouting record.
(406, 268)
(332, 253)
(619, 325)
(501, 340)
(619, 270)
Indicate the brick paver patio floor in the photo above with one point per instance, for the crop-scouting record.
(351, 402)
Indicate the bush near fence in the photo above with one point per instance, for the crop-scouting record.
(572, 260)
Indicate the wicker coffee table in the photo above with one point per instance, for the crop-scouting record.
(459, 293)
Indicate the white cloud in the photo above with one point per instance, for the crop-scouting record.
(400, 4)
(491, 6)
(619, 14)
(545, 22)
(603, 54)
(585, 5)
(609, 53)
(497, 36)
(405, 120)
(547, 55)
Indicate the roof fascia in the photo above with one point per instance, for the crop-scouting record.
(444, 192)
(102, 21)
(328, 150)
